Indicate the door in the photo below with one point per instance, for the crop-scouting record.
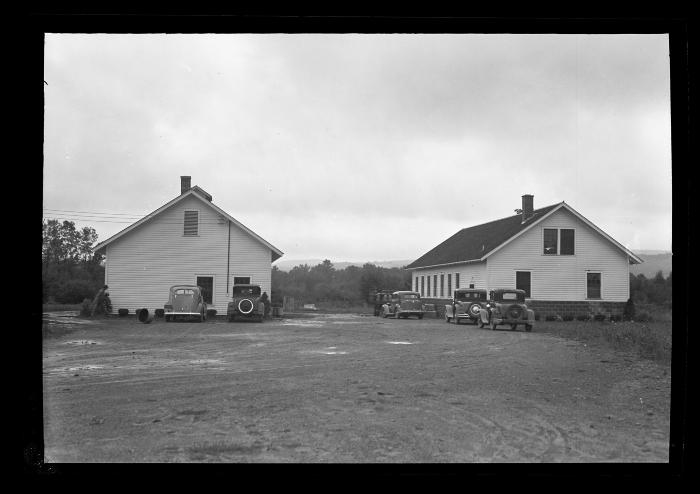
(207, 284)
(522, 282)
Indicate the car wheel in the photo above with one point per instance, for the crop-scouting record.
(167, 318)
(447, 318)
(420, 316)
(528, 327)
(492, 325)
(513, 327)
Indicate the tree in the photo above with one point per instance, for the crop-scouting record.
(70, 270)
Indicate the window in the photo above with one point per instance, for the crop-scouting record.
(522, 281)
(191, 223)
(442, 285)
(417, 284)
(241, 280)
(471, 285)
(207, 284)
(567, 241)
(456, 280)
(428, 292)
(449, 284)
(435, 285)
(558, 241)
(422, 286)
(593, 285)
(550, 241)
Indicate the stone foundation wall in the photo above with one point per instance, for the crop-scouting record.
(545, 308)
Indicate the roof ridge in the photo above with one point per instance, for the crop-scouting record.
(534, 211)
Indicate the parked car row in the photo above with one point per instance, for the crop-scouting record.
(503, 306)
(187, 302)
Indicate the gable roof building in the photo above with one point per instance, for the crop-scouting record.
(187, 240)
(554, 253)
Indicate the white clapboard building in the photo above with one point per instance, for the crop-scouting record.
(190, 241)
(565, 263)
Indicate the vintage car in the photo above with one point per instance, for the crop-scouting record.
(466, 304)
(507, 306)
(246, 303)
(403, 304)
(378, 299)
(185, 302)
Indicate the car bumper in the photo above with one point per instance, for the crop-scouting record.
(179, 313)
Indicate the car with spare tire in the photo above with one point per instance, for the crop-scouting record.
(466, 305)
(506, 306)
(246, 303)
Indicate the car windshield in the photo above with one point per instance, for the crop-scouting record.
(510, 296)
(184, 291)
(239, 291)
(471, 296)
(409, 296)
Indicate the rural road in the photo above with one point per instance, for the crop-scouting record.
(345, 389)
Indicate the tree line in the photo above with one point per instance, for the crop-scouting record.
(71, 272)
(654, 291)
(341, 287)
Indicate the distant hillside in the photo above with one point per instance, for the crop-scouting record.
(652, 264)
(287, 265)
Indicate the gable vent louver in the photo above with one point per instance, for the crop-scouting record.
(191, 223)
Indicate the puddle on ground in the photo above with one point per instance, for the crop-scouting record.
(400, 342)
(308, 323)
(331, 350)
(66, 317)
(82, 342)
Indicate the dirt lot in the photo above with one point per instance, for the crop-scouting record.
(344, 388)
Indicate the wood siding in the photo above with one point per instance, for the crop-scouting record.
(142, 265)
(468, 273)
(559, 277)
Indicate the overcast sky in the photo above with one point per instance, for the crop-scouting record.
(361, 147)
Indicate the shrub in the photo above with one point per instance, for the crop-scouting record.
(599, 317)
(210, 312)
(568, 317)
(74, 291)
(644, 316)
(123, 312)
(537, 316)
(160, 312)
(85, 309)
(583, 317)
(629, 312)
(551, 318)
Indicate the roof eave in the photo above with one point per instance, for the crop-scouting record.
(443, 264)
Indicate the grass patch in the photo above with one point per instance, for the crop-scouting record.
(651, 340)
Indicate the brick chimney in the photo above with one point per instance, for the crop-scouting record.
(528, 208)
(185, 184)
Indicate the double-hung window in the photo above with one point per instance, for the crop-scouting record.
(558, 241)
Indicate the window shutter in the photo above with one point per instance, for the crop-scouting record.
(191, 223)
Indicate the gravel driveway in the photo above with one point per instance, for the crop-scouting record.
(345, 388)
